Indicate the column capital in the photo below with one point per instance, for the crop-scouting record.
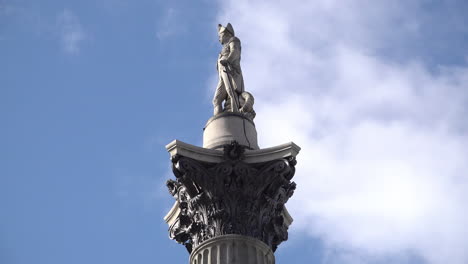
(220, 193)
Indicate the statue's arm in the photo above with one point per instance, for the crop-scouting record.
(235, 53)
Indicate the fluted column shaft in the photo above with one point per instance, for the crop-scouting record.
(232, 249)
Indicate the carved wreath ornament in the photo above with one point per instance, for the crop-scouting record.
(231, 197)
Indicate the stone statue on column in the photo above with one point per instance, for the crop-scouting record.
(230, 195)
(230, 88)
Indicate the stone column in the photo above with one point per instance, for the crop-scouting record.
(230, 201)
(230, 195)
(232, 249)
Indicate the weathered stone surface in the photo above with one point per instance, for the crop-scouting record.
(180, 148)
(230, 87)
(230, 197)
(232, 249)
(226, 127)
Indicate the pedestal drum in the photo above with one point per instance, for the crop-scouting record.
(226, 127)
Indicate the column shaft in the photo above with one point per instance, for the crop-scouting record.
(232, 249)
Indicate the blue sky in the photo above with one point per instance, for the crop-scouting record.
(375, 92)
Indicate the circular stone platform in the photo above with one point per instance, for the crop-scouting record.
(226, 127)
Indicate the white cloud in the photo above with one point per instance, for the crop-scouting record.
(383, 169)
(71, 32)
(170, 23)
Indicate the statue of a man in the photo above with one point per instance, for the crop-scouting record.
(230, 88)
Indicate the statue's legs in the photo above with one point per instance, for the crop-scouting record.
(224, 94)
(230, 88)
(219, 97)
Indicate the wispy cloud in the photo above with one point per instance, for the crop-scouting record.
(171, 22)
(164, 26)
(71, 32)
(383, 168)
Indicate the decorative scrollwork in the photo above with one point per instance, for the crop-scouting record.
(231, 197)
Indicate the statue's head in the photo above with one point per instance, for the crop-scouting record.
(225, 33)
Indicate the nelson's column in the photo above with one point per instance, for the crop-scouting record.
(230, 194)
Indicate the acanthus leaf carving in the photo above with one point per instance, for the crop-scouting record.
(231, 197)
